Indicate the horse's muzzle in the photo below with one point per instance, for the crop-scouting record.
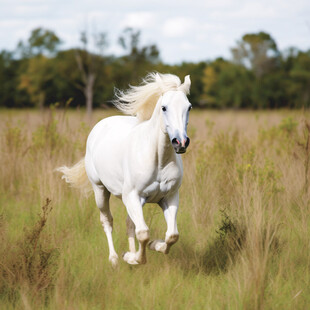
(179, 147)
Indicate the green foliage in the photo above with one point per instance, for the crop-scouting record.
(281, 138)
(226, 85)
(259, 76)
(41, 41)
(226, 246)
(254, 51)
(35, 79)
(14, 138)
(266, 176)
(289, 125)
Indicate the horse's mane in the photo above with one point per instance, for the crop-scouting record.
(141, 100)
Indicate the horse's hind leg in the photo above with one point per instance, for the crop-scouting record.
(102, 196)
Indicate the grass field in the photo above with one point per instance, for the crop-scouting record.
(244, 218)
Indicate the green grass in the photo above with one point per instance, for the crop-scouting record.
(244, 219)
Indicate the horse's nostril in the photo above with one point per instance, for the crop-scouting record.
(175, 141)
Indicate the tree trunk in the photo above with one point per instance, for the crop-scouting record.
(89, 93)
(89, 102)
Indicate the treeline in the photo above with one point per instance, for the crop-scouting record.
(38, 73)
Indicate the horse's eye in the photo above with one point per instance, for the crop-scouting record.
(164, 109)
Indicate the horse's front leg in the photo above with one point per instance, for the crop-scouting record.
(170, 206)
(131, 234)
(134, 206)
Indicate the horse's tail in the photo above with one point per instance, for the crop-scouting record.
(76, 176)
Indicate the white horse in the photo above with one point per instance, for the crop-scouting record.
(136, 158)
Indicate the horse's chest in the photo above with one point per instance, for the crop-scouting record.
(160, 187)
(164, 182)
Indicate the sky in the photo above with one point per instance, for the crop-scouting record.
(192, 30)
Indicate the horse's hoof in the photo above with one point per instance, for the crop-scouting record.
(161, 247)
(130, 258)
(158, 245)
(114, 261)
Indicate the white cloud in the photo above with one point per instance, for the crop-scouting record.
(187, 46)
(183, 30)
(250, 10)
(138, 20)
(220, 4)
(178, 27)
(26, 10)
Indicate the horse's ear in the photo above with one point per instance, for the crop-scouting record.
(186, 85)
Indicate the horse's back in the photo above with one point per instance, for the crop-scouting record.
(105, 150)
(111, 128)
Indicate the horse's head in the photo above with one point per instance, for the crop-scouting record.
(175, 110)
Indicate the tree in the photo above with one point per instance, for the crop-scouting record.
(299, 86)
(227, 85)
(257, 51)
(35, 79)
(139, 58)
(41, 42)
(36, 70)
(6, 78)
(88, 64)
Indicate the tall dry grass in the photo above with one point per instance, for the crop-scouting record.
(244, 218)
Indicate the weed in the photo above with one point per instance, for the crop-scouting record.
(223, 251)
(289, 125)
(47, 136)
(14, 138)
(30, 264)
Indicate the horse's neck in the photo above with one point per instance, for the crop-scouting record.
(164, 151)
